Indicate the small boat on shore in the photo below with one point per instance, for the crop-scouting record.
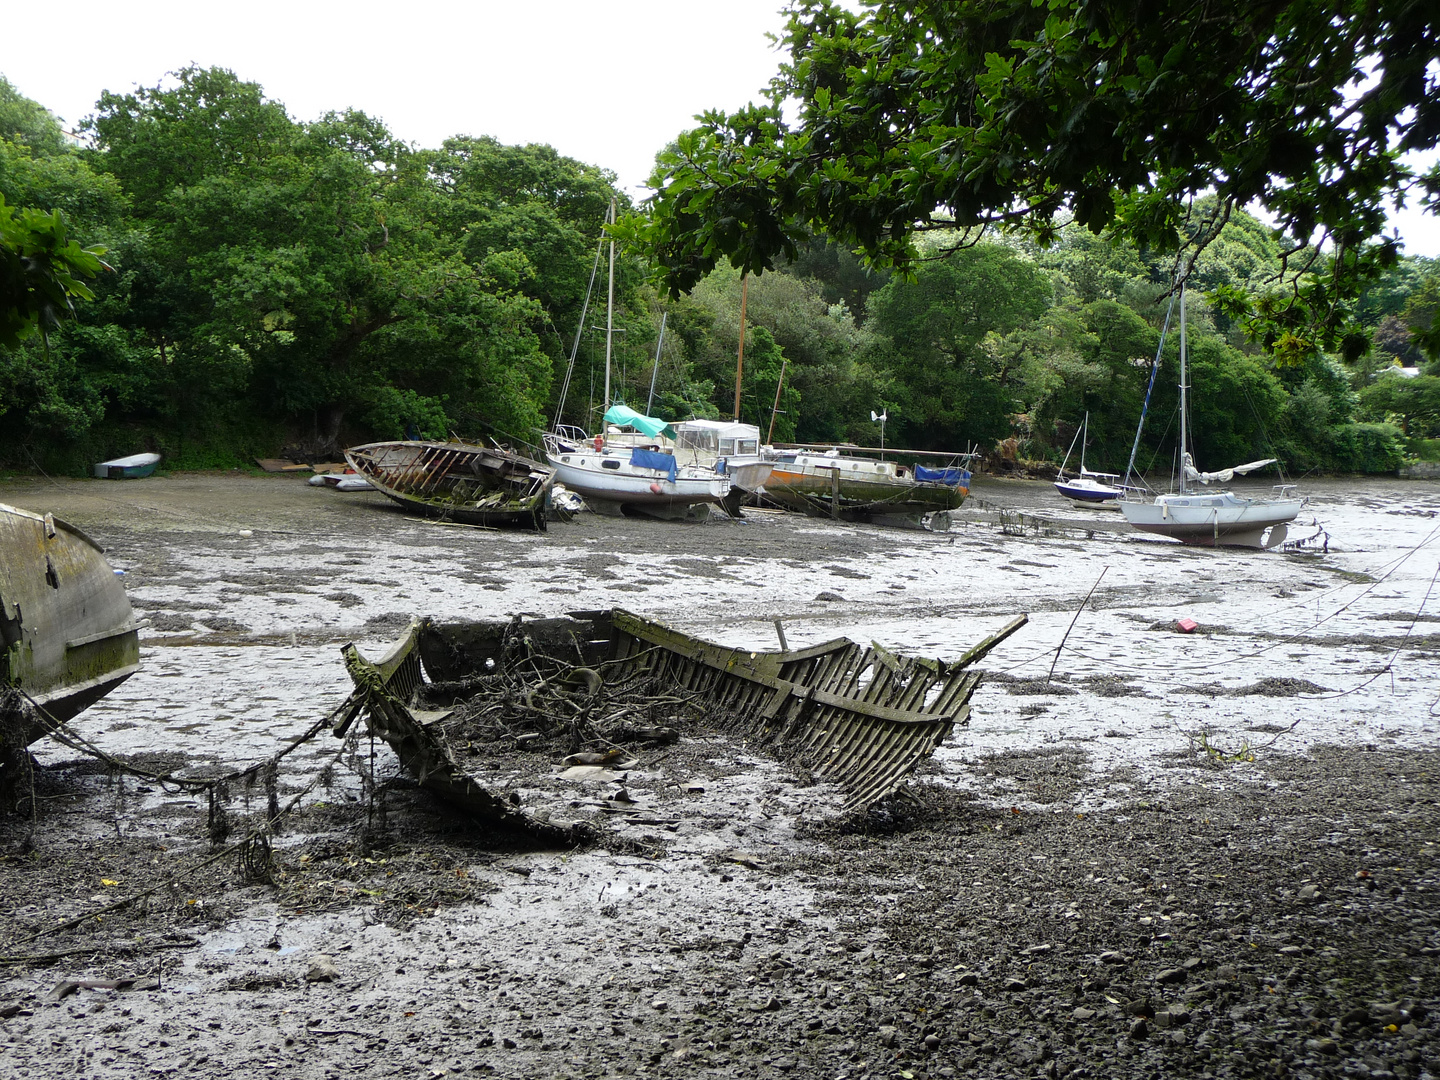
(830, 484)
(453, 481)
(729, 447)
(626, 470)
(127, 468)
(1211, 518)
(1089, 490)
(67, 631)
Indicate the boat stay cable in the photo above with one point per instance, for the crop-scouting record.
(1149, 389)
(579, 330)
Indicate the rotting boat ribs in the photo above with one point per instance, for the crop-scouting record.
(860, 717)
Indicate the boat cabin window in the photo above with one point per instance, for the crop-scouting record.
(747, 446)
(697, 439)
(611, 464)
(727, 447)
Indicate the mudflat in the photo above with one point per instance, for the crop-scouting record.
(1173, 854)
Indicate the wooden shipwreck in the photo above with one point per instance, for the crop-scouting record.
(451, 481)
(861, 717)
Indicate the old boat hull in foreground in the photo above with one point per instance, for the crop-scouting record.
(66, 627)
(859, 717)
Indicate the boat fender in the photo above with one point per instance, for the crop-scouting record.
(655, 488)
(599, 442)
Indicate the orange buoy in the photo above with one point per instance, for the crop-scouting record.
(599, 442)
(655, 488)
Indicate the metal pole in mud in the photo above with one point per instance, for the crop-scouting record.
(1072, 624)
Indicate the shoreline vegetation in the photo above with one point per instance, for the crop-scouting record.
(271, 285)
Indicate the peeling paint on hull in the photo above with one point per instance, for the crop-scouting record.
(66, 627)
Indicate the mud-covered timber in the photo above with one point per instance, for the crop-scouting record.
(67, 631)
(860, 717)
(473, 485)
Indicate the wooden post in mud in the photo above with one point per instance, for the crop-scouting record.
(835, 492)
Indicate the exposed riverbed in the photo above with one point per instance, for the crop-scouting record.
(1165, 798)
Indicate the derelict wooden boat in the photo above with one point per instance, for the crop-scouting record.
(66, 627)
(451, 481)
(861, 717)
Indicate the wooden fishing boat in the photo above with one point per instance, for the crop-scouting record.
(67, 631)
(452, 481)
(860, 717)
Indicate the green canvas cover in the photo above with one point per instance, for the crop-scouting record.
(624, 416)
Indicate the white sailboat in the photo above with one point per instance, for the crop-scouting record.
(1211, 518)
(626, 468)
(1091, 490)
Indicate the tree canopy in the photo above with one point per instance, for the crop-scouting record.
(280, 283)
(911, 117)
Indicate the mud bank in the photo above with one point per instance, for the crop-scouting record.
(1183, 855)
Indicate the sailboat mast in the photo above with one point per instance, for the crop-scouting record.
(655, 371)
(1084, 438)
(770, 437)
(740, 357)
(609, 314)
(1184, 400)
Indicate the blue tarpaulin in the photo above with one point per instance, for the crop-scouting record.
(950, 477)
(649, 459)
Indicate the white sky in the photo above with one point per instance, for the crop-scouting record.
(609, 83)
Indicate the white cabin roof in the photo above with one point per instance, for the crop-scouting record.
(725, 429)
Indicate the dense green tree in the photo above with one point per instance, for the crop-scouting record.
(914, 117)
(303, 262)
(1414, 403)
(28, 123)
(842, 276)
(41, 271)
(820, 339)
(950, 390)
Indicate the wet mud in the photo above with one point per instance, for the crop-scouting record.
(1155, 854)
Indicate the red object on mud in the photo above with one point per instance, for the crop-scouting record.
(1187, 626)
